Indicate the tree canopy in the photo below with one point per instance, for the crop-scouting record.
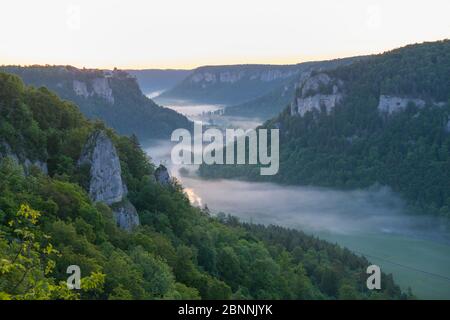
(48, 222)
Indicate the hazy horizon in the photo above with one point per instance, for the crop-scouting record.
(215, 65)
(178, 34)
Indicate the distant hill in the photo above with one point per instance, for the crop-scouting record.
(385, 120)
(155, 81)
(273, 102)
(231, 84)
(112, 96)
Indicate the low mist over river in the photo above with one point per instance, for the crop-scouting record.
(372, 222)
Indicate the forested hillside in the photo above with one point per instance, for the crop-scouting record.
(48, 222)
(272, 103)
(385, 119)
(111, 96)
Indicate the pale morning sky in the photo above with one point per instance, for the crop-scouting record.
(186, 34)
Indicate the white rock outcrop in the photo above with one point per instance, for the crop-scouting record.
(310, 98)
(447, 126)
(204, 77)
(230, 77)
(80, 89)
(211, 77)
(313, 83)
(41, 165)
(100, 88)
(6, 151)
(25, 162)
(162, 175)
(390, 104)
(125, 215)
(105, 173)
(106, 183)
(272, 75)
(316, 102)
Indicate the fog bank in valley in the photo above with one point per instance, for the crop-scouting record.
(373, 210)
(373, 222)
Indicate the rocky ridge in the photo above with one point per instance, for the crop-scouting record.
(315, 92)
(106, 184)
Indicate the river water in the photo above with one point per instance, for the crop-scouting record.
(372, 222)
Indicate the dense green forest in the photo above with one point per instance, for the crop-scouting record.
(120, 104)
(356, 145)
(47, 222)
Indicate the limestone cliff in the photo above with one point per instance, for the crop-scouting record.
(105, 172)
(99, 87)
(231, 84)
(237, 75)
(106, 184)
(315, 92)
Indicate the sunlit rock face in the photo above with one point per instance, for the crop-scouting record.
(96, 87)
(316, 92)
(162, 175)
(106, 183)
(390, 104)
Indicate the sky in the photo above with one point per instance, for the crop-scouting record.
(189, 33)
